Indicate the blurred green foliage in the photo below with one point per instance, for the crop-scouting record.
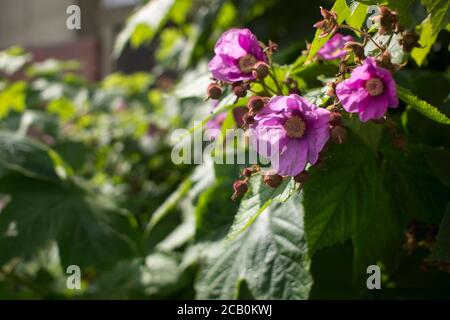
(86, 176)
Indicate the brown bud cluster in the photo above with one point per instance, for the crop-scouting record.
(357, 49)
(328, 25)
(273, 180)
(409, 40)
(214, 91)
(388, 20)
(260, 70)
(240, 188)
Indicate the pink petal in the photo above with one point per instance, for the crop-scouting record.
(293, 160)
(376, 108)
(349, 97)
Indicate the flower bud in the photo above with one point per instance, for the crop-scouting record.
(331, 90)
(409, 40)
(388, 20)
(335, 118)
(214, 91)
(248, 119)
(239, 90)
(357, 49)
(273, 47)
(329, 24)
(273, 180)
(338, 134)
(247, 172)
(260, 70)
(240, 188)
(302, 177)
(384, 61)
(255, 104)
(295, 90)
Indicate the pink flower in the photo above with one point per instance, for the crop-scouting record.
(290, 131)
(237, 51)
(369, 91)
(334, 48)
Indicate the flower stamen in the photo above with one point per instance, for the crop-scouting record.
(374, 87)
(295, 127)
(247, 62)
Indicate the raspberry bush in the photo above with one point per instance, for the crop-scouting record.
(351, 131)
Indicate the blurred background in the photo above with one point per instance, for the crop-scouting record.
(86, 176)
(40, 27)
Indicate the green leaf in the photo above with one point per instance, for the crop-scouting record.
(421, 106)
(12, 98)
(159, 275)
(441, 250)
(339, 201)
(381, 237)
(13, 59)
(438, 15)
(256, 200)
(438, 159)
(63, 107)
(398, 56)
(358, 14)
(413, 184)
(200, 179)
(52, 67)
(369, 132)
(268, 261)
(226, 104)
(29, 157)
(349, 201)
(144, 24)
(88, 231)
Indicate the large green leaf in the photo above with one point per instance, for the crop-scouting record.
(257, 199)
(12, 98)
(438, 159)
(438, 18)
(144, 24)
(348, 201)
(380, 238)
(340, 200)
(88, 231)
(267, 261)
(398, 56)
(401, 6)
(30, 158)
(421, 106)
(441, 250)
(159, 275)
(13, 59)
(369, 132)
(419, 194)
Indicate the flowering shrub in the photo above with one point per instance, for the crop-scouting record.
(351, 133)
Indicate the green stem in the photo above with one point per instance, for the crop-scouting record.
(365, 34)
(274, 78)
(267, 90)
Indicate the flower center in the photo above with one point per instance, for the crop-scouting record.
(247, 62)
(375, 87)
(295, 127)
